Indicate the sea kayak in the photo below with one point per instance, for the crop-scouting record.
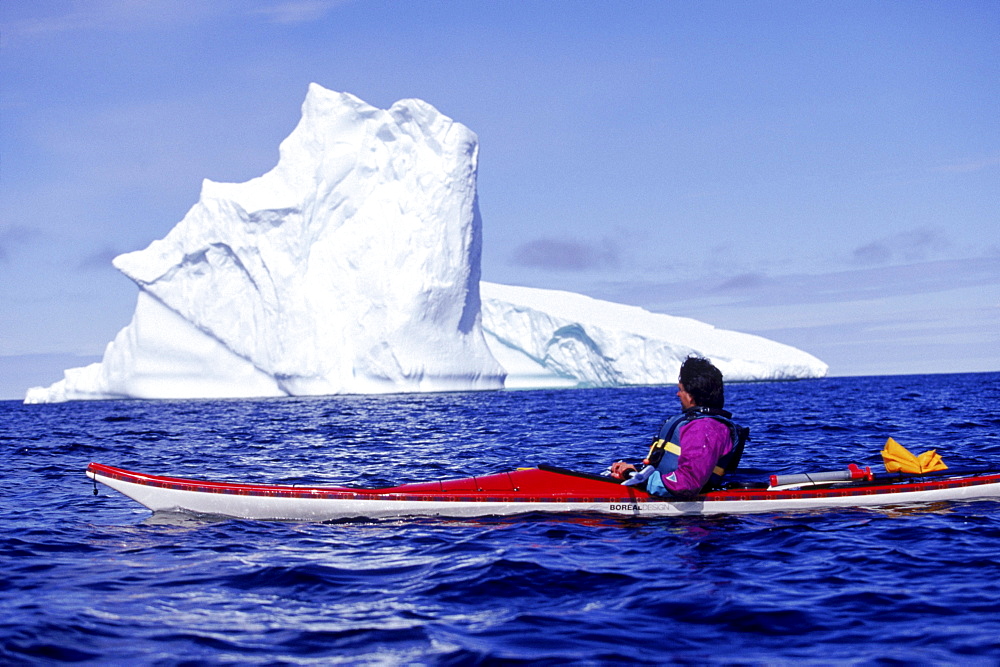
(542, 489)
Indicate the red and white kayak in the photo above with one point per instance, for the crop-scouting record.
(542, 489)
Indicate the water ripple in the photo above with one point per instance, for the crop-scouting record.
(98, 579)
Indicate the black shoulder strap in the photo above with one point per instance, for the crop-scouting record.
(730, 461)
(733, 458)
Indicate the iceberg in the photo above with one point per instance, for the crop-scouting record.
(353, 266)
(548, 338)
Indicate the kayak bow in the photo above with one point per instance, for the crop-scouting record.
(541, 489)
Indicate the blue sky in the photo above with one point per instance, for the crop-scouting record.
(824, 174)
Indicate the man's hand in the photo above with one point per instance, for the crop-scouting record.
(620, 468)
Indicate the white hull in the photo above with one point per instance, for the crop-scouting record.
(263, 503)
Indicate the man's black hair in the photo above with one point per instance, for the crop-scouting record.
(704, 382)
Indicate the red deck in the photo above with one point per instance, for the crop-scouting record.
(523, 485)
(527, 484)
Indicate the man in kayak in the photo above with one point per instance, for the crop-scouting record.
(693, 450)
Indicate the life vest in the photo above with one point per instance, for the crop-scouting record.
(665, 453)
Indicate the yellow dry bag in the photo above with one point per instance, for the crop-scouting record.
(898, 459)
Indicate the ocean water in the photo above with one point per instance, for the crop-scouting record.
(99, 579)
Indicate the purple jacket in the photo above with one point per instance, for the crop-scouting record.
(703, 442)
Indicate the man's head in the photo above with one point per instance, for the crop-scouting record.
(702, 382)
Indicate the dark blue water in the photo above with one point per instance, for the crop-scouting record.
(99, 579)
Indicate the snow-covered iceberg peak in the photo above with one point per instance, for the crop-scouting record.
(352, 266)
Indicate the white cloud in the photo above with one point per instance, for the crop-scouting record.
(298, 11)
(107, 15)
(970, 166)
